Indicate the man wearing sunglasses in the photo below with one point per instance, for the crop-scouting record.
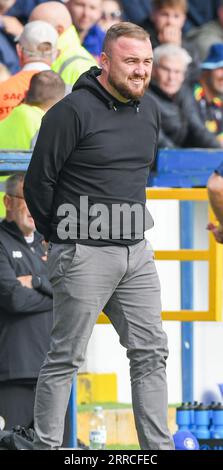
(111, 14)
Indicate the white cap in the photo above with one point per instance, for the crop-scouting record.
(35, 35)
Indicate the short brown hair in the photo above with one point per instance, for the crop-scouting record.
(45, 87)
(180, 4)
(127, 29)
(12, 183)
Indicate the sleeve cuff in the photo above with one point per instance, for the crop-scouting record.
(36, 282)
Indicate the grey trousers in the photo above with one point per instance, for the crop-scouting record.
(123, 282)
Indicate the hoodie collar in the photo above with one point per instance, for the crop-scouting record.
(88, 80)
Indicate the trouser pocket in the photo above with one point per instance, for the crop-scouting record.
(60, 257)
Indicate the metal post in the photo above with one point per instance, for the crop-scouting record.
(73, 414)
(186, 241)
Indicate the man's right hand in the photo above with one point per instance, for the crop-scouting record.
(26, 281)
(12, 25)
(170, 34)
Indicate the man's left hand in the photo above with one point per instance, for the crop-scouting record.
(217, 231)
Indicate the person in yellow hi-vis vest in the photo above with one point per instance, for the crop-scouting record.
(37, 49)
(20, 129)
(73, 58)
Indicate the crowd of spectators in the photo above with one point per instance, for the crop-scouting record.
(67, 36)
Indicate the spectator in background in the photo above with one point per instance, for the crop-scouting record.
(202, 38)
(37, 49)
(165, 26)
(208, 92)
(166, 21)
(4, 73)
(25, 307)
(8, 54)
(20, 129)
(111, 13)
(73, 59)
(180, 124)
(199, 12)
(85, 16)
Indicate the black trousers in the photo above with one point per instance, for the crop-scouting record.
(17, 404)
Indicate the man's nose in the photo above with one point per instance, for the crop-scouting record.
(170, 20)
(140, 70)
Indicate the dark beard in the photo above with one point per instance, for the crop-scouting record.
(124, 91)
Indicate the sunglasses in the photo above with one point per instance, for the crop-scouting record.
(17, 197)
(111, 16)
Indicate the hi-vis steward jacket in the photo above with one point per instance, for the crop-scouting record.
(13, 90)
(73, 59)
(19, 130)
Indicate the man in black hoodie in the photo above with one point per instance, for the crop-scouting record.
(85, 188)
(25, 307)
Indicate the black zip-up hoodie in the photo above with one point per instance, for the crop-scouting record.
(90, 144)
(25, 314)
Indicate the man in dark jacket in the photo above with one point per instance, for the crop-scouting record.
(25, 307)
(85, 188)
(181, 125)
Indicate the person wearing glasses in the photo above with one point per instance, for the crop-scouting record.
(85, 16)
(25, 307)
(111, 14)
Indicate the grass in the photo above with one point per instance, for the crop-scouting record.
(106, 406)
(122, 447)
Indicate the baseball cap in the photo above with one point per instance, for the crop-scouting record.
(214, 58)
(185, 440)
(35, 34)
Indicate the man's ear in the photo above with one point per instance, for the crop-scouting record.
(104, 60)
(7, 202)
(60, 29)
(20, 53)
